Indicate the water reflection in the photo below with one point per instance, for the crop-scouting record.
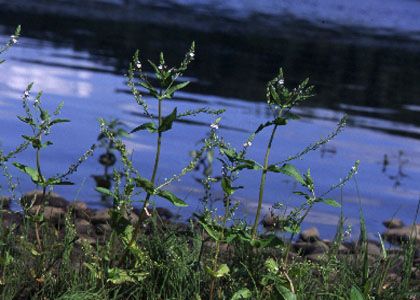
(82, 62)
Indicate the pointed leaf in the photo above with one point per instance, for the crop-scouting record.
(288, 170)
(167, 121)
(175, 88)
(227, 187)
(104, 191)
(242, 294)
(331, 202)
(56, 121)
(29, 171)
(151, 127)
(355, 294)
(222, 271)
(285, 292)
(171, 197)
(146, 185)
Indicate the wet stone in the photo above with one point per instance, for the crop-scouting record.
(310, 235)
(5, 202)
(52, 214)
(400, 235)
(101, 216)
(164, 213)
(80, 210)
(86, 239)
(103, 228)
(11, 218)
(318, 247)
(36, 198)
(83, 226)
(393, 223)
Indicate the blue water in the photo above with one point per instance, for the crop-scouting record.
(92, 86)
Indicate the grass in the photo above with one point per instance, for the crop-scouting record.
(215, 256)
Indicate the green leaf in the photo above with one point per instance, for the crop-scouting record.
(167, 121)
(44, 115)
(262, 126)
(271, 266)
(150, 88)
(56, 121)
(169, 92)
(171, 197)
(57, 181)
(285, 292)
(230, 154)
(288, 170)
(120, 276)
(330, 202)
(29, 171)
(146, 185)
(242, 294)
(227, 187)
(355, 294)
(104, 191)
(211, 231)
(280, 121)
(151, 127)
(266, 241)
(222, 271)
(247, 164)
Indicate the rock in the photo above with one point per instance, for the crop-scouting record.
(269, 221)
(373, 249)
(103, 229)
(318, 247)
(85, 239)
(51, 199)
(80, 210)
(307, 248)
(55, 215)
(164, 213)
(393, 223)
(133, 218)
(101, 216)
(316, 258)
(5, 202)
(400, 235)
(11, 218)
(83, 227)
(310, 235)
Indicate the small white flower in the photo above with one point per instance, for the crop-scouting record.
(14, 39)
(138, 65)
(26, 94)
(214, 126)
(191, 54)
(247, 144)
(281, 81)
(160, 67)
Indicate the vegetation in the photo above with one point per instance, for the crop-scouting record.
(142, 255)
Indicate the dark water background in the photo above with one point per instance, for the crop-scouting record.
(369, 72)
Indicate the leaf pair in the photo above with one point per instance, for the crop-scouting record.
(165, 126)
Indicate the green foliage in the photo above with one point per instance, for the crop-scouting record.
(217, 256)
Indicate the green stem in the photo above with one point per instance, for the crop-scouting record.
(222, 237)
(157, 155)
(262, 183)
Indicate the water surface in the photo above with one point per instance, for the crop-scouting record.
(374, 80)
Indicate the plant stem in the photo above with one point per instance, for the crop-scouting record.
(216, 256)
(262, 182)
(41, 206)
(157, 156)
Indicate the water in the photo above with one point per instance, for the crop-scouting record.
(371, 78)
